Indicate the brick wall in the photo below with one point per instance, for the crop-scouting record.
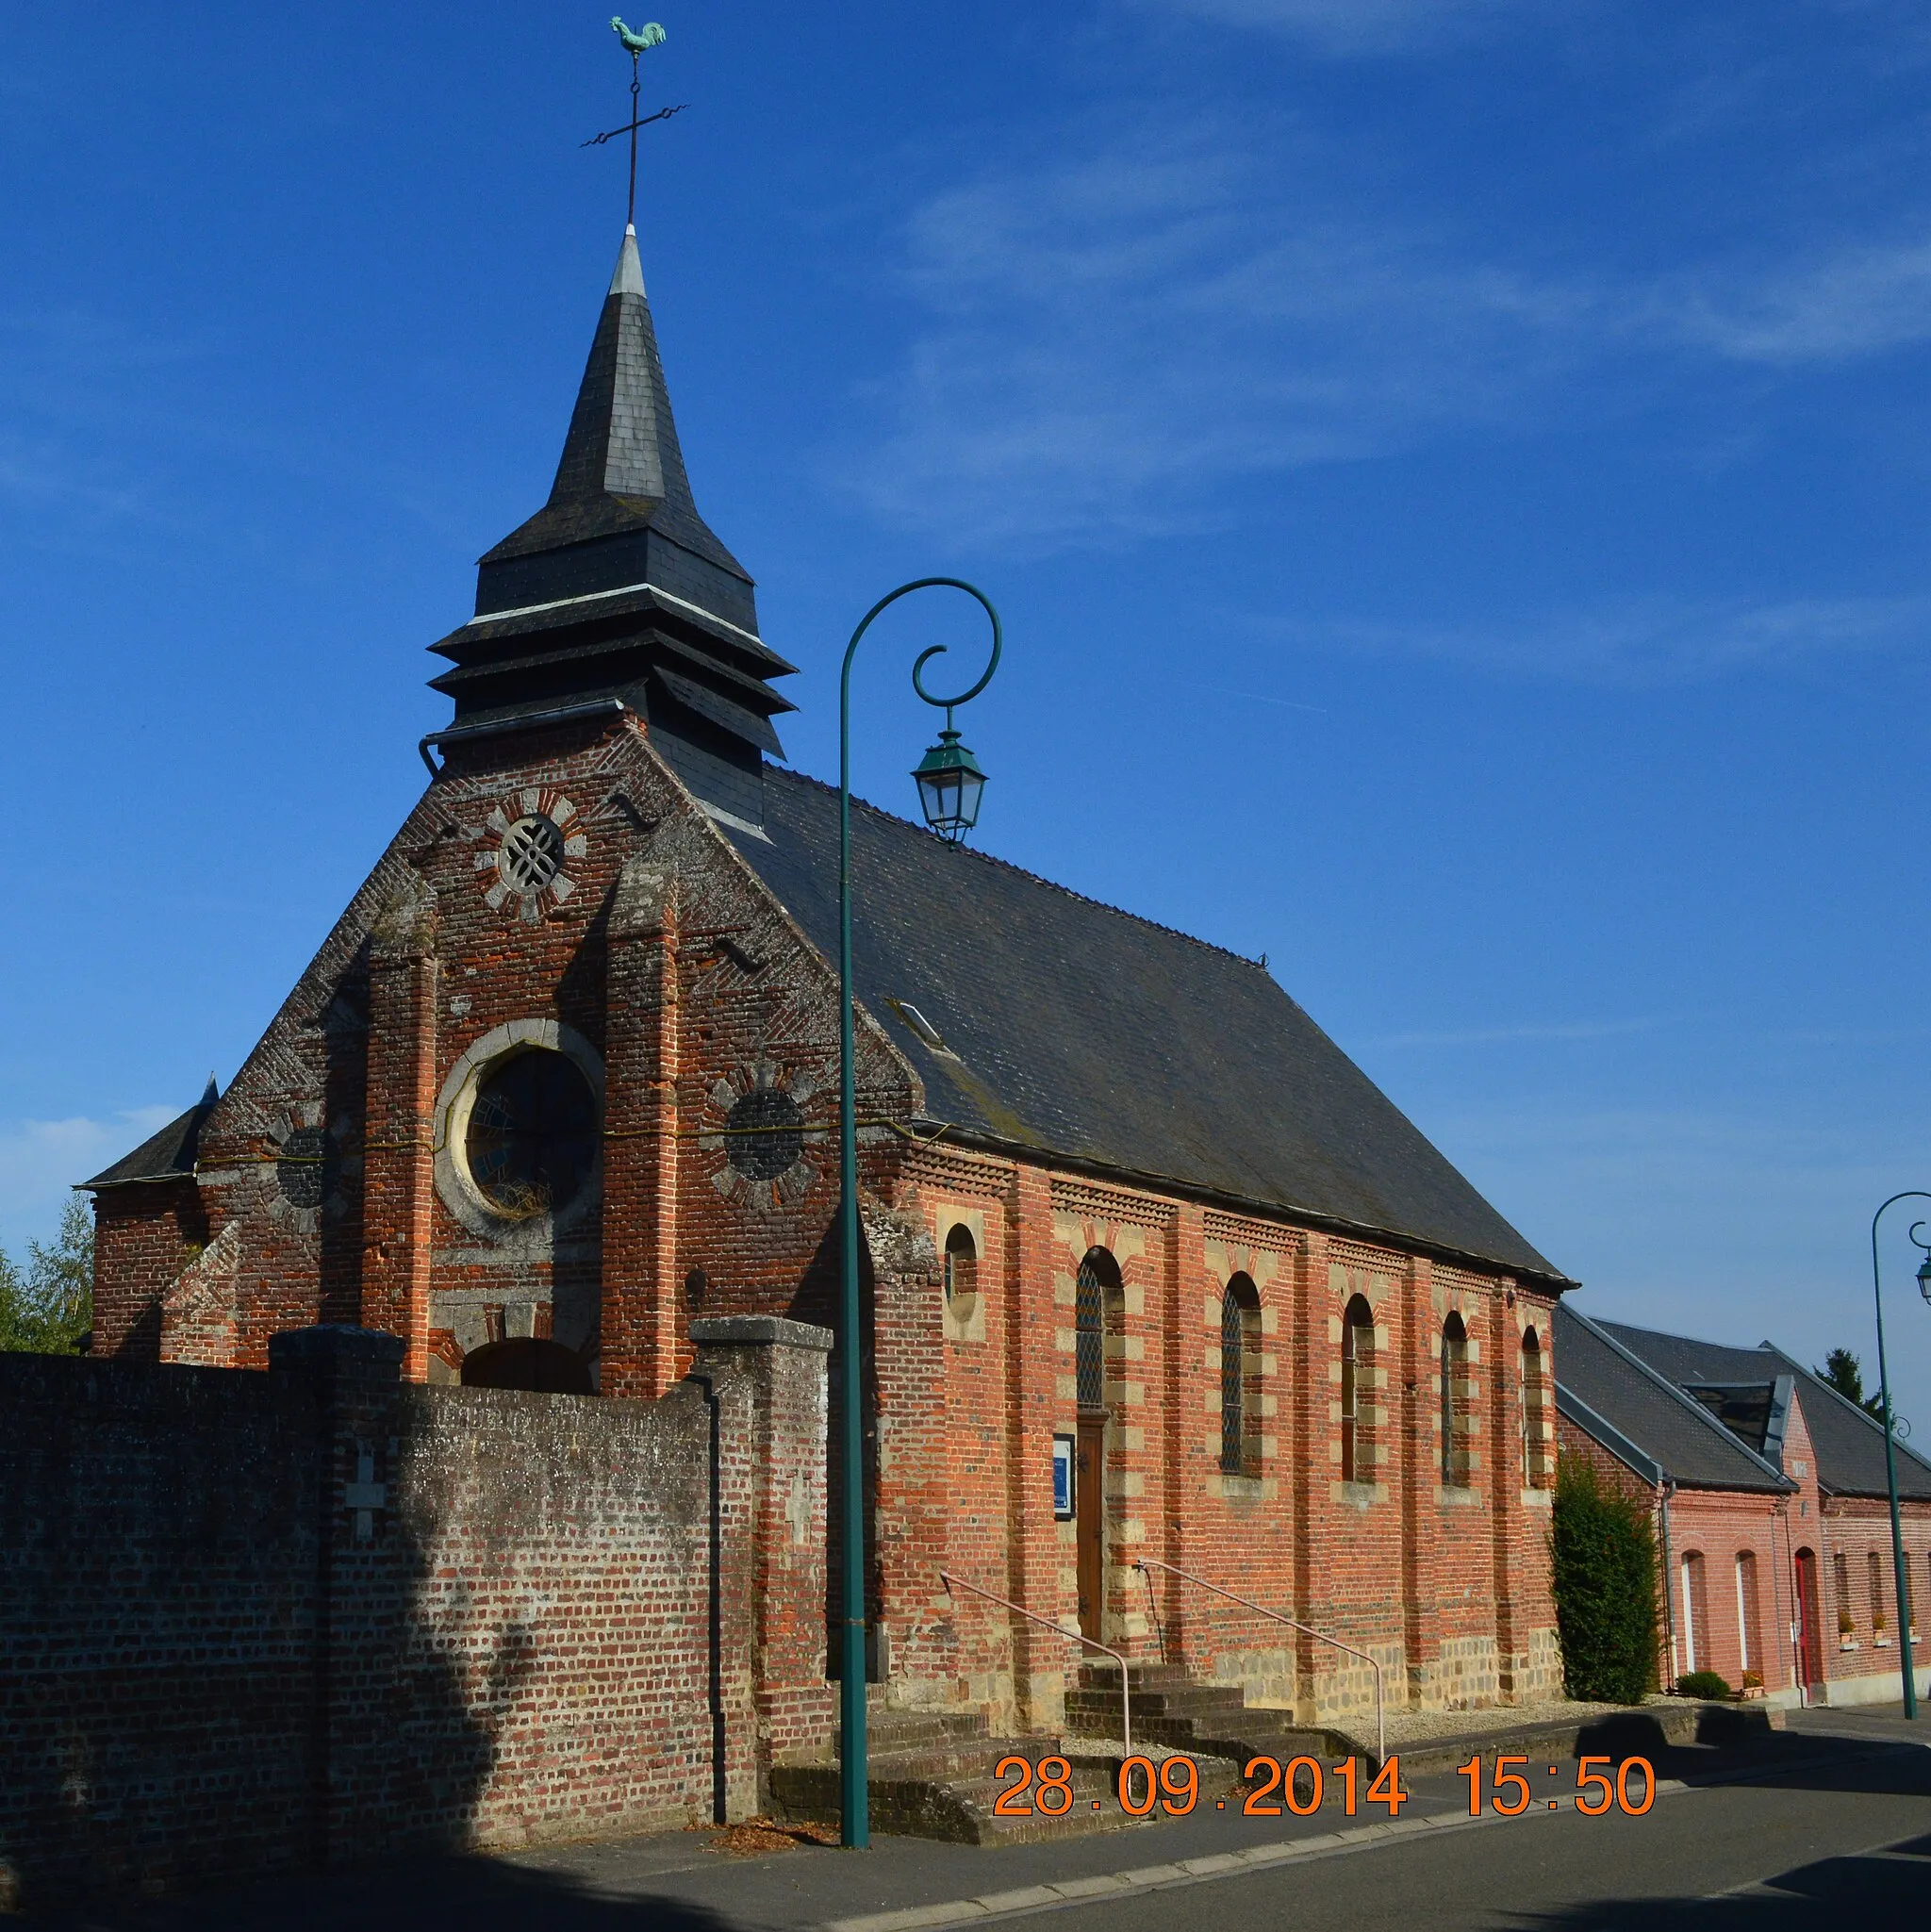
(256, 1619)
(144, 1235)
(158, 1618)
(1448, 1592)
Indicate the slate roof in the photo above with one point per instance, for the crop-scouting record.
(1848, 1444)
(618, 588)
(1077, 1029)
(164, 1156)
(1612, 1395)
(623, 465)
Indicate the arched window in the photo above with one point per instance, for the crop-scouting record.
(1749, 1633)
(1239, 1365)
(1535, 1450)
(1357, 1362)
(962, 1273)
(1096, 1296)
(1874, 1569)
(1453, 1379)
(1695, 1613)
(526, 1363)
(1840, 1579)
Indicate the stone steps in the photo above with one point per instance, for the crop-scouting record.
(1205, 1720)
(946, 1789)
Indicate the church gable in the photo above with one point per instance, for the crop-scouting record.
(519, 894)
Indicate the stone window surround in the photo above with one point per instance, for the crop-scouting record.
(454, 1182)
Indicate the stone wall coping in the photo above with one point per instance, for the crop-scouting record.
(758, 1331)
(333, 1345)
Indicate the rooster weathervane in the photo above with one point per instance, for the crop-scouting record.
(635, 45)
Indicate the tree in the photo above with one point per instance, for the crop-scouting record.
(47, 1307)
(1846, 1373)
(1603, 1552)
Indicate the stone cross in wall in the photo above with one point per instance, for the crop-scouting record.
(365, 1495)
(798, 1512)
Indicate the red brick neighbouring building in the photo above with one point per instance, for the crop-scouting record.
(563, 1078)
(1768, 1489)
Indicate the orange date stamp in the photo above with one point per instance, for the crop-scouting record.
(1270, 1788)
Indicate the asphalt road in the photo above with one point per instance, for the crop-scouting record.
(1830, 1826)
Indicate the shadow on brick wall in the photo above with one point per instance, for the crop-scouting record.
(192, 1627)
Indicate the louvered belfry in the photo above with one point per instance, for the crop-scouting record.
(617, 589)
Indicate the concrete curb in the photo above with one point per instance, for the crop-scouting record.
(1204, 1871)
(1144, 1878)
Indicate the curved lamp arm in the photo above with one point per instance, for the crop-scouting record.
(853, 1766)
(934, 650)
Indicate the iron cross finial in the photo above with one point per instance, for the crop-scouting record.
(636, 44)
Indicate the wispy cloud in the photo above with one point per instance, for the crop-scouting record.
(1111, 335)
(1832, 305)
(1118, 335)
(41, 1159)
(1648, 641)
(1354, 27)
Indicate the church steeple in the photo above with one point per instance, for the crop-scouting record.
(623, 468)
(618, 588)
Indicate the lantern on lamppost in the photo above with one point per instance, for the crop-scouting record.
(949, 785)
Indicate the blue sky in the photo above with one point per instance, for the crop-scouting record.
(1455, 473)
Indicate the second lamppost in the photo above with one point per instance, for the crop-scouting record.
(949, 785)
(1897, 1536)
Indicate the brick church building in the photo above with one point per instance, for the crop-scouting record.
(563, 1079)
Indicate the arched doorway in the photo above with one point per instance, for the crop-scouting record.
(548, 1368)
(1096, 1309)
(1809, 1627)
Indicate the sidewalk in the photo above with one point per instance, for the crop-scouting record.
(676, 1883)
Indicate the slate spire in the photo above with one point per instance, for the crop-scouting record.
(618, 588)
(623, 468)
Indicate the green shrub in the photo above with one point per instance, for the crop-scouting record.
(1702, 1684)
(1603, 1555)
(46, 1308)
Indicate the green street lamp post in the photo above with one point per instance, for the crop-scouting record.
(950, 785)
(1897, 1534)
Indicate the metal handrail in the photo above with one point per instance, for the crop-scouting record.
(1319, 1636)
(1076, 1636)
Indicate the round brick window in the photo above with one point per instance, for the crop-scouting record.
(532, 1140)
(764, 1133)
(530, 855)
(304, 1167)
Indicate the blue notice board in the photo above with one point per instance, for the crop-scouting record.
(1062, 1477)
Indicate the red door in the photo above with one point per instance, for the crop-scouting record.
(1809, 1638)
